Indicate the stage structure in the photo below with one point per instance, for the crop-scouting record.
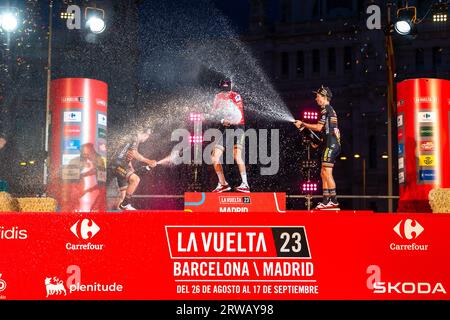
(78, 144)
(423, 121)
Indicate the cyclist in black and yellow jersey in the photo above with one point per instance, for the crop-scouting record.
(121, 167)
(328, 124)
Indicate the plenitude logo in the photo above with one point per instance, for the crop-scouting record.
(56, 287)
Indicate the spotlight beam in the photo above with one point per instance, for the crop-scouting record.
(95, 19)
(8, 21)
(96, 25)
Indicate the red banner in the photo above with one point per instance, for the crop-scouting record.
(190, 256)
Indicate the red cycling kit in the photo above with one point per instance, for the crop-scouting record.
(227, 101)
(229, 106)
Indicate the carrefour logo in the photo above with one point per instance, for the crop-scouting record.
(72, 116)
(85, 229)
(408, 229)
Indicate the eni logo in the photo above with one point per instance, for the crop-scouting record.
(54, 286)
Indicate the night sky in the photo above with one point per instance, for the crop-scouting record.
(237, 11)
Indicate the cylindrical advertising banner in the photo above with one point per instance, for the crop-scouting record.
(423, 120)
(78, 144)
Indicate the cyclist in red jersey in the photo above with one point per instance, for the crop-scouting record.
(229, 109)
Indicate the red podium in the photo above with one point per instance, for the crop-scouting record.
(78, 144)
(423, 140)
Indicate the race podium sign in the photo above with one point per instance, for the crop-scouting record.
(175, 255)
(235, 202)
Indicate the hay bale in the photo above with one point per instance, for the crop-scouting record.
(440, 200)
(8, 203)
(37, 204)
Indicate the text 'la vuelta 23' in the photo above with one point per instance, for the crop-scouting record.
(241, 254)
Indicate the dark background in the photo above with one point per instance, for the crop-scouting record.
(163, 59)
